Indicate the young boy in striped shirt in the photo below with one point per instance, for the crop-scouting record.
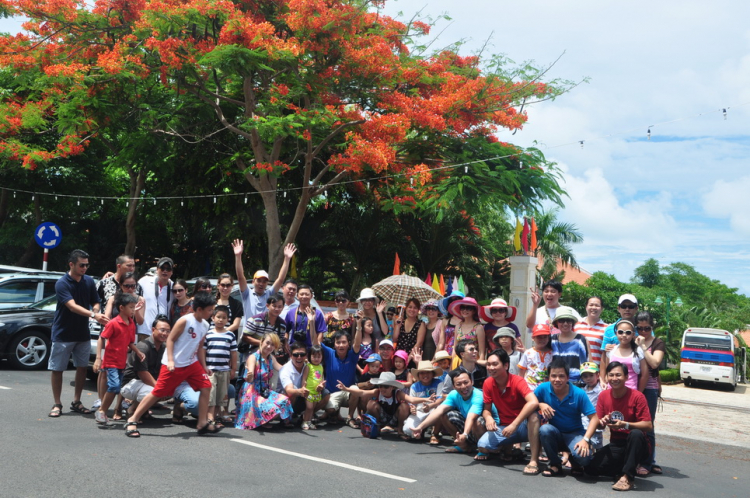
(221, 359)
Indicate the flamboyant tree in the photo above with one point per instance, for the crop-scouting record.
(321, 91)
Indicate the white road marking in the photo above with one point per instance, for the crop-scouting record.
(324, 460)
(3, 387)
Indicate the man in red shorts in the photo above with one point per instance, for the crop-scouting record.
(185, 361)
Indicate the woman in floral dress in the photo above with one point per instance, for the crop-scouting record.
(260, 404)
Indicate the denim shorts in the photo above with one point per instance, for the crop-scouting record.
(114, 379)
(62, 351)
(493, 440)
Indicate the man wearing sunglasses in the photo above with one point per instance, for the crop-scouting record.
(627, 306)
(157, 291)
(291, 382)
(77, 302)
(109, 285)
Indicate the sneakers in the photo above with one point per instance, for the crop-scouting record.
(101, 417)
(96, 404)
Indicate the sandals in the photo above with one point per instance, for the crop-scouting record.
(531, 470)
(655, 469)
(642, 471)
(624, 484)
(353, 423)
(553, 471)
(78, 407)
(308, 426)
(56, 410)
(203, 431)
(455, 449)
(132, 432)
(576, 470)
(434, 441)
(482, 456)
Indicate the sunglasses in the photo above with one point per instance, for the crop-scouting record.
(643, 329)
(205, 286)
(175, 291)
(84, 265)
(624, 332)
(430, 308)
(225, 286)
(498, 310)
(128, 286)
(628, 306)
(466, 307)
(340, 300)
(299, 355)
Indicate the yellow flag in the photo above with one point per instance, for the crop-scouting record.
(436, 284)
(293, 267)
(517, 237)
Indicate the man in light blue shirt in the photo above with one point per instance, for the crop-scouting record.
(627, 306)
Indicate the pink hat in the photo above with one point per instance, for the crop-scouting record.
(454, 307)
(484, 311)
(402, 354)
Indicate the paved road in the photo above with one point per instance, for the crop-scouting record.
(73, 457)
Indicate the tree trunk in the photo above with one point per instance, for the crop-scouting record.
(137, 182)
(3, 206)
(31, 247)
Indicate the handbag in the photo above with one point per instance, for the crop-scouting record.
(369, 427)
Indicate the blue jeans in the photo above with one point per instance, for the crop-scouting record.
(652, 398)
(495, 439)
(554, 441)
(114, 379)
(189, 397)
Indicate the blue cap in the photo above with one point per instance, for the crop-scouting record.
(373, 358)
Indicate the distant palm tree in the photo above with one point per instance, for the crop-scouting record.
(555, 243)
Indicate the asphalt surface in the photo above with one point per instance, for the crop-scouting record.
(74, 457)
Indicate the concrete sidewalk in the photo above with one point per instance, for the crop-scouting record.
(724, 419)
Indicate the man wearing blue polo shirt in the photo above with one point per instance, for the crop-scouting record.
(77, 301)
(340, 363)
(562, 404)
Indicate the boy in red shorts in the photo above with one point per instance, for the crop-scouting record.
(185, 360)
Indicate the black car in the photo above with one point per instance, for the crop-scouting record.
(25, 334)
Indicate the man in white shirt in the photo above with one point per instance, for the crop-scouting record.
(157, 291)
(289, 291)
(291, 382)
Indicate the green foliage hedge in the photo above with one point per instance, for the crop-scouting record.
(670, 375)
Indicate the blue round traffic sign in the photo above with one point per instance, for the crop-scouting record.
(48, 235)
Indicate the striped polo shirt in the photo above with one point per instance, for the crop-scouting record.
(219, 347)
(593, 334)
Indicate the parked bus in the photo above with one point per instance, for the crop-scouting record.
(707, 355)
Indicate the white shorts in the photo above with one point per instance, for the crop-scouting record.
(136, 390)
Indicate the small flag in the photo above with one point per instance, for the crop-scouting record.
(455, 284)
(461, 284)
(436, 284)
(517, 236)
(533, 235)
(442, 285)
(397, 266)
(525, 236)
(448, 287)
(293, 267)
(428, 281)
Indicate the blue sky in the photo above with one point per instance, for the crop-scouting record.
(674, 64)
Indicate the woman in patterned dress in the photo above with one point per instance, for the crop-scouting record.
(260, 404)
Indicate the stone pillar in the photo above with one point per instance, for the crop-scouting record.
(522, 279)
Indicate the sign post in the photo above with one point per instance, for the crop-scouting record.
(48, 236)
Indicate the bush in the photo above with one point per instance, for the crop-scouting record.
(670, 375)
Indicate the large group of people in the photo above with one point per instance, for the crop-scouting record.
(448, 368)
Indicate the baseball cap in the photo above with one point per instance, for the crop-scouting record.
(540, 329)
(165, 261)
(589, 367)
(386, 342)
(627, 297)
(261, 274)
(373, 358)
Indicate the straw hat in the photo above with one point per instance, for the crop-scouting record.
(426, 366)
(366, 293)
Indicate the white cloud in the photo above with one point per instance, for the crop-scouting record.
(729, 200)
